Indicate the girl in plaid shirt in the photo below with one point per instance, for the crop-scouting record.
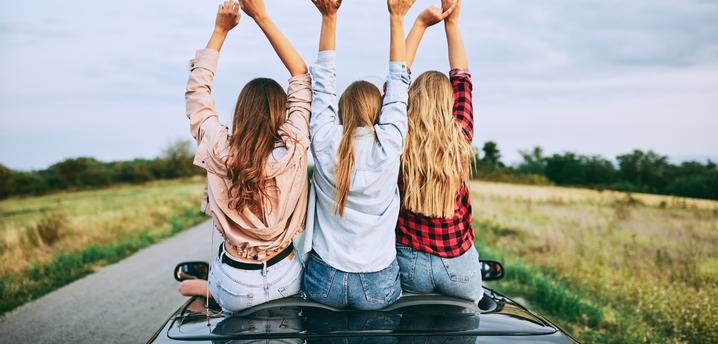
(435, 241)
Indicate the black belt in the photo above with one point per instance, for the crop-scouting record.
(251, 266)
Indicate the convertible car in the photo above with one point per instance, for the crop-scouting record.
(413, 319)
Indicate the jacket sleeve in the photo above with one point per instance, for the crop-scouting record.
(299, 100)
(209, 134)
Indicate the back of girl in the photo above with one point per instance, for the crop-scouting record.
(435, 240)
(257, 176)
(357, 143)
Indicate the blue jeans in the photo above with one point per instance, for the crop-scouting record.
(365, 291)
(424, 273)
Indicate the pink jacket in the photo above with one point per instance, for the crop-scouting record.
(247, 235)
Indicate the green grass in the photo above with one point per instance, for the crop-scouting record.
(87, 230)
(64, 268)
(605, 270)
(568, 305)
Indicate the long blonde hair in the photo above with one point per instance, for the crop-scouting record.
(359, 106)
(436, 157)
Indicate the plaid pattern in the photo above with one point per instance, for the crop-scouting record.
(449, 237)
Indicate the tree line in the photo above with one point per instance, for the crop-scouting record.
(636, 171)
(85, 173)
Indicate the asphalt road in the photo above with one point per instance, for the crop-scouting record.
(121, 303)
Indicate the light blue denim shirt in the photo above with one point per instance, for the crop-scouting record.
(363, 240)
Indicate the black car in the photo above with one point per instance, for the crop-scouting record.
(413, 319)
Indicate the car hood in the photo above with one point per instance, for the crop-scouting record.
(412, 315)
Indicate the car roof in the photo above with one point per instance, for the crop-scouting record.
(412, 315)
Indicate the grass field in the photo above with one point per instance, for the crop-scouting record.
(49, 241)
(609, 267)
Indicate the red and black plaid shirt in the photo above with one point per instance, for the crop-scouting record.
(445, 237)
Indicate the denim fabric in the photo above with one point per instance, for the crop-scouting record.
(236, 289)
(423, 273)
(365, 291)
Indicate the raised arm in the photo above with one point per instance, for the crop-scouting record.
(284, 49)
(328, 36)
(324, 89)
(200, 107)
(459, 75)
(227, 19)
(397, 12)
(392, 125)
(430, 16)
(457, 51)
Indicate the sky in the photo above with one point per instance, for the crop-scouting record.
(107, 79)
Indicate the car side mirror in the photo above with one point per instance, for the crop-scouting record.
(491, 270)
(191, 270)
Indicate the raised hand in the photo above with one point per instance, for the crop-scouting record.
(432, 15)
(327, 7)
(227, 16)
(457, 51)
(452, 6)
(399, 7)
(254, 8)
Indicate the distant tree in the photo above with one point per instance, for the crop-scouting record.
(76, 172)
(703, 185)
(6, 181)
(492, 155)
(29, 183)
(565, 169)
(598, 171)
(646, 169)
(533, 161)
(177, 160)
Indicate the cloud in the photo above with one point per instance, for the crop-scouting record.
(584, 75)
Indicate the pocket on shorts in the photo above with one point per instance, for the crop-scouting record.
(381, 287)
(318, 277)
(462, 268)
(406, 257)
(231, 297)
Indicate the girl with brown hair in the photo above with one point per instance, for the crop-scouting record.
(356, 145)
(257, 175)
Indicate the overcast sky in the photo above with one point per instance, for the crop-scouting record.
(106, 79)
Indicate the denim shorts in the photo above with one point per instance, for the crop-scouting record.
(365, 291)
(424, 273)
(236, 289)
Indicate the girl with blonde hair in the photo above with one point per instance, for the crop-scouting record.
(257, 176)
(354, 201)
(435, 241)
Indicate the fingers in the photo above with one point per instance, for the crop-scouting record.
(450, 9)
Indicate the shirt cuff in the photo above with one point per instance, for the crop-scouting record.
(459, 72)
(205, 58)
(300, 78)
(397, 67)
(326, 56)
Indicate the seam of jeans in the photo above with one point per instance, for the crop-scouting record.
(431, 271)
(346, 288)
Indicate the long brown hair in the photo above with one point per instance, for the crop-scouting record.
(259, 113)
(436, 156)
(359, 106)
